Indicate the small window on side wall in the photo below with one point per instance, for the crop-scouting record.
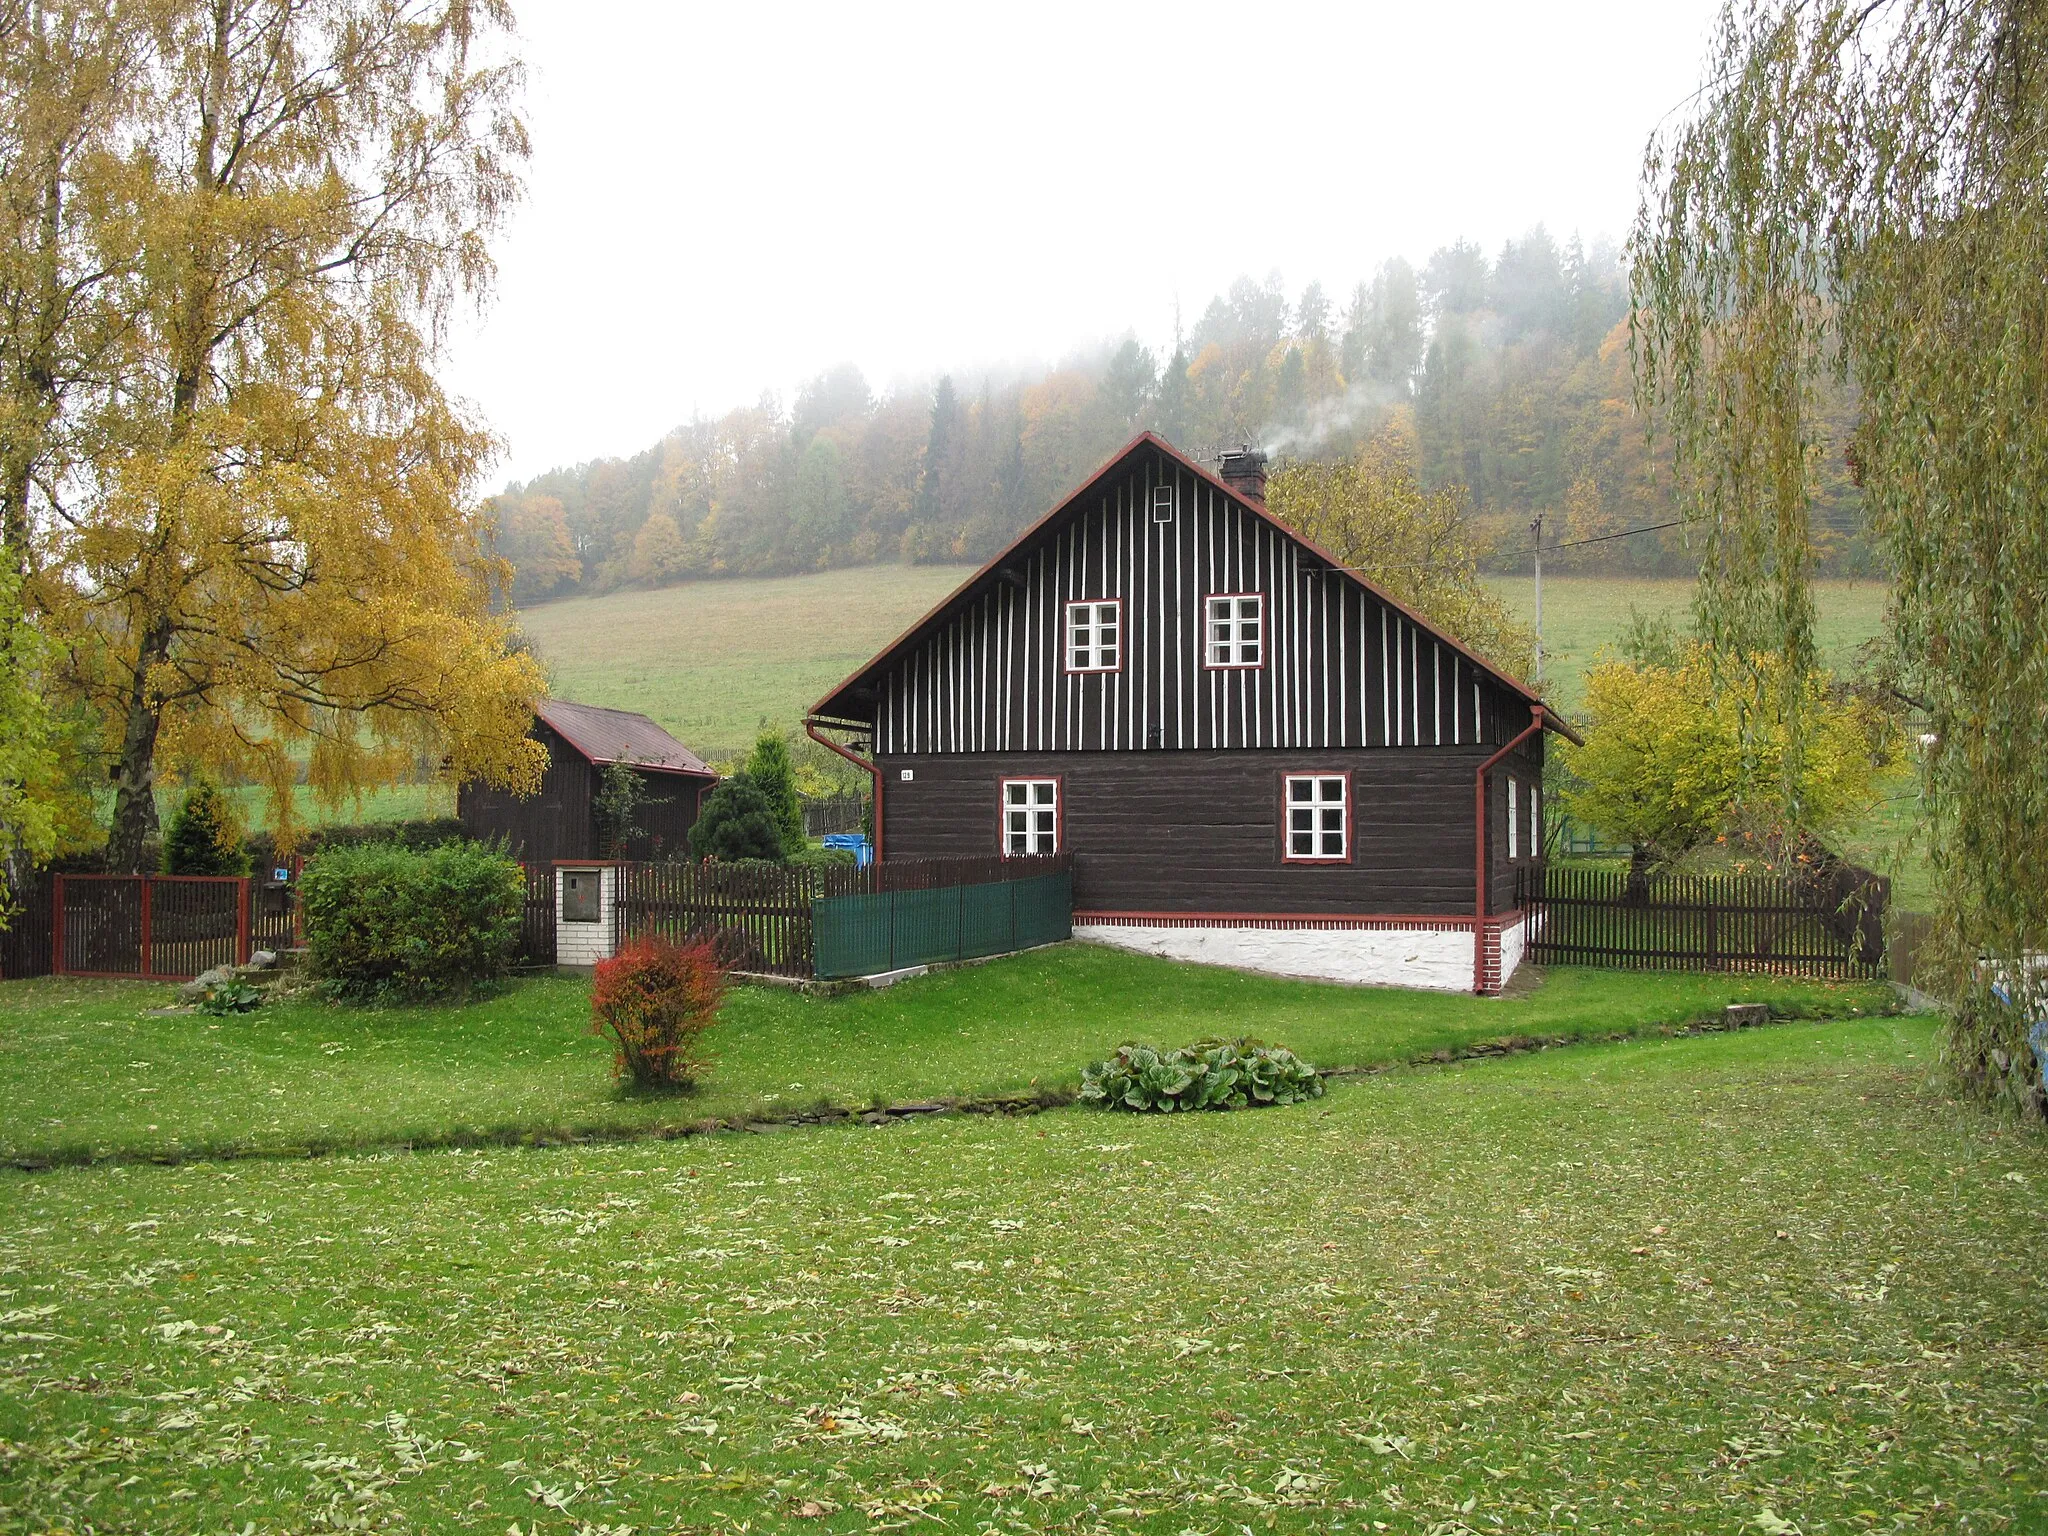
(1095, 635)
(1318, 811)
(1514, 825)
(1535, 821)
(1031, 817)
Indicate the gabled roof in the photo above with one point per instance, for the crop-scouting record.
(839, 705)
(620, 736)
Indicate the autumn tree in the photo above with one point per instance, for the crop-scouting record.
(659, 555)
(1416, 545)
(255, 543)
(1859, 194)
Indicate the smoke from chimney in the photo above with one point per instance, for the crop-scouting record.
(1244, 471)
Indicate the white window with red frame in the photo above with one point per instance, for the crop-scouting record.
(1234, 630)
(1095, 635)
(1031, 818)
(1318, 811)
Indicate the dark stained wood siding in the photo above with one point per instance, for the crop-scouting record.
(1340, 669)
(560, 820)
(1199, 831)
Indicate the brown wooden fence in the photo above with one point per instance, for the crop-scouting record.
(537, 918)
(25, 945)
(1830, 924)
(762, 913)
(156, 927)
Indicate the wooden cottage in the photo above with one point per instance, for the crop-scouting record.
(561, 820)
(1256, 757)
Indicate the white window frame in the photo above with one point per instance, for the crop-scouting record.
(1535, 821)
(1514, 825)
(1230, 610)
(1089, 621)
(1163, 499)
(1032, 815)
(1317, 806)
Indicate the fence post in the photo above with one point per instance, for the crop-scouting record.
(57, 926)
(242, 924)
(148, 884)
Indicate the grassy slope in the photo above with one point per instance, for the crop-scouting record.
(711, 660)
(1755, 1282)
(83, 1071)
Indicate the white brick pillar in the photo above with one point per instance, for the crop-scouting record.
(586, 913)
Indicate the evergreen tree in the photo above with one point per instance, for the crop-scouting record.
(737, 822)
(203, 838)
(770, 771)
(938, 449)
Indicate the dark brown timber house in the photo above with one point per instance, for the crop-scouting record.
(561, 821)
(1256, 757)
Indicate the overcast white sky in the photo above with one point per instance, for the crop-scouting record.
(728, 198)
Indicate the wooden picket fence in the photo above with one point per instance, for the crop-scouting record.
(1828, 924)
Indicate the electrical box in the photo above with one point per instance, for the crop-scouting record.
(582, 895)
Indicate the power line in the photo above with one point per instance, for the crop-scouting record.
(1602, 538)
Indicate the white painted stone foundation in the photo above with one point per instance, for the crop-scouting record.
(1434, 959)
(582, 944)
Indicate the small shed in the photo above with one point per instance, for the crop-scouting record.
(560, 820)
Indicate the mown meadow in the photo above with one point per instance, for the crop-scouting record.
(88, 1071)
(1764, 1282)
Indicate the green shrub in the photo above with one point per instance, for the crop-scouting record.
(387, 921)
(425, 832)
(1210, 1074)
(824, 858)
(205, 835)
(737, 822)
(654, 1000)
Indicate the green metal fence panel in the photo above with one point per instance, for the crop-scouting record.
(865, 935)
(851, 935)
(1044, 911)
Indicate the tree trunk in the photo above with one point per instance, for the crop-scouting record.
(135, 824)
(1640, 860)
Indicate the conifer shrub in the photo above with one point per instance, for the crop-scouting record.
(770, 770)
(387, 921)
(737, 822)
(654, 1000)
(1210, 1074)
(205, 835)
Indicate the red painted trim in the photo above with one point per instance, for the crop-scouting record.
(1312, 773)
(873, 771)
(166, 879)
(1446, 921)
(1265, 635)
(1059, 812)
(1479, 840)
(1067, 637)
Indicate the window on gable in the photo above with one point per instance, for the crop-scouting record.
(1236, 630)
(1318, 817)
(1162, 503)
(1094, 635)
(1031, 817)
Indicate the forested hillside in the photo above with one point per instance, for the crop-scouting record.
(1515, 370)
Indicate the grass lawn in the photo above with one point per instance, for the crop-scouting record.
(1759, 1282)
(85, 1072)
(711, 660)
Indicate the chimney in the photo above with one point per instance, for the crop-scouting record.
(1244, 471)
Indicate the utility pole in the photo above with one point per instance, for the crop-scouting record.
(1536, 528)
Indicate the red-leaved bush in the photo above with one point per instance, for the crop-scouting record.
(654, 1000)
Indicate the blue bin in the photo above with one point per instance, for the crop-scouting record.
(856, 842)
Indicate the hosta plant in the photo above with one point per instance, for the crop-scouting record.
(1210, 1074)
